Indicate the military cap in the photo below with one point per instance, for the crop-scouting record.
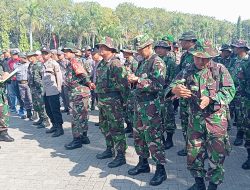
(176, 45)
(78, 52)
(70, 47)
(60, 52)
(205, 51)
(94, 50)
(54, 51)
(240, 44)
(45, 49)
(31, 53)
(142, 41)
(128, 49)
(5, 51)
(108, 42)
(14, 52)
(188, 36)
(22, 55)
(162, 44)
(88, 48)
(225, 47)
(38, 52)
(168, 38)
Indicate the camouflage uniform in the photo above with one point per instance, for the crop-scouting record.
(207, 128)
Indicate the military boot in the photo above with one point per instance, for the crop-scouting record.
(169, 141)
(239, 138)
(29, 114)
(108, 153)
(141, 167)
(76, 143)
(44, 124)
(199, 184)
(59, 131)
(246, 165)
(85, 138)
(183, 152)
(52, 129)
(34, 116)
(129, 128)
(160, 175)
(4, 136)
(212, 186)
(39, 122)
(118, 161)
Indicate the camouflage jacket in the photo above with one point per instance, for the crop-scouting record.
(151, 73)
(170, 69)
(244, 79)
(111, 76)
(213, 81)
(131, 65)
(76, 79)
(2, 89)
(186, 60)
(225, 61)
(35, 75)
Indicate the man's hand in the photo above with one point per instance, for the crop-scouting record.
(204, 102)
(92, 86)
(132, 78)
(182, 91)
(4, 76)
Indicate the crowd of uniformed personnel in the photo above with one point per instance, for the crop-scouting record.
(141, 86)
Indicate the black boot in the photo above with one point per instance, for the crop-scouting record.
(108, 153)
(39, 122)
(199, 184)
(44, 124)
(141, 167)
(246, 165)
(52, 129)
(129, 128)
(76, 143)
(29, 114)
(183, 152)
(212, 186)
(160, 175)
(118, 161)
(4, 136)
(85, 138)
(59, 131)
(239, 138)
(169, 141)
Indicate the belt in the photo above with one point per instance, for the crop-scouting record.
(146, 97)
(114, 94)
(22, 81)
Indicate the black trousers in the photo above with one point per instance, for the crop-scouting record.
(52, 107)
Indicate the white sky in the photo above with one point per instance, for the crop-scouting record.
(220, 9)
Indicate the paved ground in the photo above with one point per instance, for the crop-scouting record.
(37, 161)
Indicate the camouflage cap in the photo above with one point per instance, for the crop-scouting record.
(78, 52)
(22, 55)
(168, 38)
(31, 53)
(205, 51)
(108, 42)
(14, 52)
(225, 47)
(128, 49)
(87, 48)
(142, 41)
(70, 47)
(162, 44)
(53, 51)
(60, 52)
(45, 49)
(94, 50)
(240, 44)
(190, 35)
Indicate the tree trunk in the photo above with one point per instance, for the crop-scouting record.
(31, 36)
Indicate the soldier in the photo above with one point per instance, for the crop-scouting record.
(52, 83)
(111, 88)
(188, 43)
(131, 65)
(242, 58)
(208, 88)
(78, 81)
(35, 83)
(4, 109)
(22, 80)
(148, 79)
(224, 58)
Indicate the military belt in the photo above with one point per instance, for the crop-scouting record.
(114, 94)
(22, 81)
(146, 97)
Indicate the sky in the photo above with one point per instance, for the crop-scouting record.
(220, 9)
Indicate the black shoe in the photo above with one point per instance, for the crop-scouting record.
(23, 117)
(108, 153)
(212, 186)
(129, 128)
(118, 161)
(52, 129)
(85, 138)
(59, 131)
(141, 167)
(239, 138)
(182, 152)
(65, 111)
(246, 165)
(4, 136)
(29, 114)
(40, 126)
(39, 122)
(169, 141)
(160, 175)
(199, 184)
(76, 143)
(96, 124)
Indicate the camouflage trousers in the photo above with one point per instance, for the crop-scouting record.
(38, 103)
(80, 115)
(236, 110)
(184, 115)
(111, 122)
(246, 111)
(148, 131)
(4, 113)
(25, 94)
(168, 116)
(129, 109)
(208, 134)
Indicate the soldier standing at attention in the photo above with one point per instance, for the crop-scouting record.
(52, 83)
(111, 89)
(78, 81)
(149, 79)
(208, 88)
(35, 83)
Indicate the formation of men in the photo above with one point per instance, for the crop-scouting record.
(143, 92)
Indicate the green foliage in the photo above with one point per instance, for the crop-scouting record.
(23, 42)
